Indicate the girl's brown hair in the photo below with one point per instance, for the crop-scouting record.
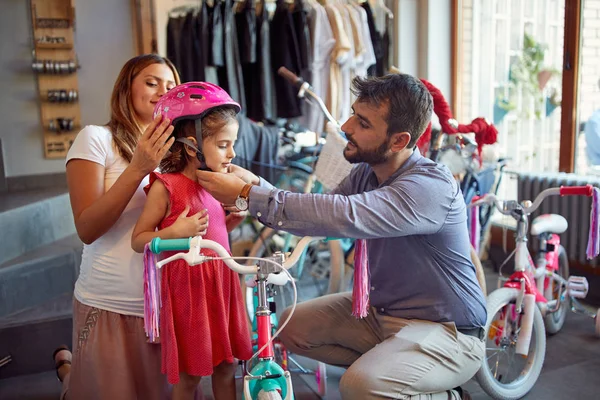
(212, 122)
(124, 123)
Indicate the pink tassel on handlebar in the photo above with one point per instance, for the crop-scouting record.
(593, 247)
(362, 284)
(151, 296)
(475, 227)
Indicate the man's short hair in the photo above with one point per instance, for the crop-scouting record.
(410, 104)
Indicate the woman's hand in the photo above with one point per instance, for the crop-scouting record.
(152, 146)
(185, 226)
(243, 174)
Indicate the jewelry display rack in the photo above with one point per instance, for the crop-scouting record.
(55, 64)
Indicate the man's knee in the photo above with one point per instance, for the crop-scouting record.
(288, 334)
(357, 383)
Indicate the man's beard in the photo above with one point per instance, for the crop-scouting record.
(371, 157)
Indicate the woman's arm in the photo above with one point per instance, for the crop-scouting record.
(95, 211)
(157, 207)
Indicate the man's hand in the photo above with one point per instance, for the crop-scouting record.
(243, 174)
(223, 187)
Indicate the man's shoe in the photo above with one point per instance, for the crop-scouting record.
(464, 395)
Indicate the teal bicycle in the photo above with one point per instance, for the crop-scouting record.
(266, 379)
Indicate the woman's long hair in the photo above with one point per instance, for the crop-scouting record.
(124, 123)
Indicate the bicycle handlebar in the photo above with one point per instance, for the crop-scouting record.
(304, 88)
(193, 256)
(586, 190)
(292, 78)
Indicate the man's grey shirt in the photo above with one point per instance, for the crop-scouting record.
(415, 224)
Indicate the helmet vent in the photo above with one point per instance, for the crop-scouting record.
(196, 96)
(197, 87)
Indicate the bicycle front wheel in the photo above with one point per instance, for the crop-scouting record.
(270, 395)
(504, 374)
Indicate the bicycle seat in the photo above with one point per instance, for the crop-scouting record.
(549, 223)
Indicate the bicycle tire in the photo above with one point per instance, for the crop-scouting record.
(496, 301)
(270, 395)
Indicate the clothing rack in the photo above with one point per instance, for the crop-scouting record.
(243, 59)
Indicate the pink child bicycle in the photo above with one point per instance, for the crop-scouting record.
(535, 293)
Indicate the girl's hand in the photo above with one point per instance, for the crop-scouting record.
(234, 212)
(243, 174)
(235, 217)
(194, 225)
(152, 145)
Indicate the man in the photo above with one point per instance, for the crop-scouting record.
(422, 336)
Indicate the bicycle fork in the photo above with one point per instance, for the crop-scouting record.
(266, 375)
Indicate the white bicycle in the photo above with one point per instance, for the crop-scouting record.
(515, 331)
(266, 380)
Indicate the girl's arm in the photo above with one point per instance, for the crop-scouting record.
(234, 219)
(157, 207)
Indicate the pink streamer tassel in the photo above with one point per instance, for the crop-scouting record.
(152, 301)
(362, 284)
(593, 246)
(475, 228)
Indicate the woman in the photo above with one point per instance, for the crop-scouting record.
(107, 169)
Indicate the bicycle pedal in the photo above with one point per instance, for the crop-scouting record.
(577, 287)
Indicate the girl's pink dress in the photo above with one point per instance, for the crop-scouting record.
(202, 319)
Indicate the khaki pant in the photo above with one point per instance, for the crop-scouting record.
(386, 357)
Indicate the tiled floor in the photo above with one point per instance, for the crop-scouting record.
(571, 370)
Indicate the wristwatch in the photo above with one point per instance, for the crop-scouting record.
(242, 200)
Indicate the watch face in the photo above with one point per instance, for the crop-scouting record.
(241, 204)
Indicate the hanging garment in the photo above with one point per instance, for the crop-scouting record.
(377, 69)
(187, 47)
(302, 34)
(323, 42)
(348, 68)
(258, 76)
(245, 20)
(216, 30)
(369, 56)
(200, 44)
(174, 26)
(339, 57)
(285, 52)
(256, 148)
(230, 75)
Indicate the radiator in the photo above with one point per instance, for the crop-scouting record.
(576, 209)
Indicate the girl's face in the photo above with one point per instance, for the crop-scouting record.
(147, 87)
(218, 149)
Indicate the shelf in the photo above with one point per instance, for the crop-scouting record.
(54, 46)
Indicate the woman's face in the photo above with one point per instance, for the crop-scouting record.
(148, 86)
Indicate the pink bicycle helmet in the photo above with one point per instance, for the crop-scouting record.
(193, 100)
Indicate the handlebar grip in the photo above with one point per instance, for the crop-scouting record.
(158, 245)
(586, 190)
(290, 76)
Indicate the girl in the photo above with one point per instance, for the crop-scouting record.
(203, 325)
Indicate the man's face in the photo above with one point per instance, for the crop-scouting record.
(366, 131)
